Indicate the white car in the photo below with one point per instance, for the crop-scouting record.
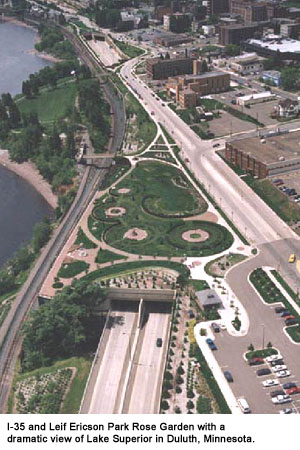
(281, 399)
(287, 411)
(283, 374)
(279, 368)
(269, 383)
(222, 326)
(273, 358)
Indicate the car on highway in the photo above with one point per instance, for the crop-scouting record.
(270, 383)
(292, 258)
(271, 358)
(158, 342)
(287, 411)
(293, 390)
(211, 344)
(277, 393)
(283, 374)
(255, 361)
(279, 367)
(215, 327)
(223, 326)
(280, 399)
(289, 385)
(262, 372)
(290, 322)
(228, 376)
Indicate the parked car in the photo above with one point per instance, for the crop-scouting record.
(255, 361)
(283, 374)
(158, 342)
(271, 382)
(286, 411)
(211, 344)
(262, 372)
(289, 385)
(285, 313)
(293, 390)
(215, 327)
(216, 145)
(279, 367)
(277, 362)
(290, 322)
(273, 358)
(281, 399)
(228, 376)
(276, 393)
(280, 309)
(289, 317)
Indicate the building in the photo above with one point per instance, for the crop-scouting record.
(208, 30)
(290, 30)
(286, 48)
(177, 23)
(287, 108)
(249, 11)
(236, 34)
(172, 41)
(216, 7)
(266, 156)
(208, 299)
(246, 64)
(272, 77)
(161, 69)
(252, 99)
(188, 88)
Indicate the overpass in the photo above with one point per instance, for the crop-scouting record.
(127, 372)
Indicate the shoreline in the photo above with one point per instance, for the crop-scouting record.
(29, 173)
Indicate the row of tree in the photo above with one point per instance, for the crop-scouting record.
(10, 117)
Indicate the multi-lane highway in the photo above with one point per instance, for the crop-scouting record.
(250, 214)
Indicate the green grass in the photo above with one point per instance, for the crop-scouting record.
(123, 269)
(121, 166)
(52, 104)
(104, 256)
(286, 287)
(199, 285)
(168, 137)
(261, 353)
(83, 239)
(129, 50)
(72, 401)
(159, 198)
(294, 333)
(69, 270)
(232, 259)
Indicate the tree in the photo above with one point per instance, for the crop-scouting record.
(26, 89)
(233, 50)
(190, 404)
(251, 348)
(41, 235)
(14, 115)
(269, 345)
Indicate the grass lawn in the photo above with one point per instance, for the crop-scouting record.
(199, 285)
(52, 104)
(69, 270)
(294, 332)
(72, 400)
(84, 240)
(129, 50)
(104, 256)
(121, 166)
(158, 198)
(261, 353)
(218, 267)
(285, 286)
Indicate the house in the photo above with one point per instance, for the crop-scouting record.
(208, 299)
(287, 108)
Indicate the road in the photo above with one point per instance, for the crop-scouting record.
(145, 381)
(9, 332)
(114, 354)
(250, 214)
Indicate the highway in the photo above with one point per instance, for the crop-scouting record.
(9, 332)
(249, 213)
(145, 381)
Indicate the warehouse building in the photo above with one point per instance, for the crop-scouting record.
(160, 69)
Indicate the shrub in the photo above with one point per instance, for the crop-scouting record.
(164, 405)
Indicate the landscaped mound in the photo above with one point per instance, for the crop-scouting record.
(115, 212)
(135, 234)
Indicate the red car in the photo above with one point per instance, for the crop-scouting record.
(290, 317)
(255, 361)
(293, 390)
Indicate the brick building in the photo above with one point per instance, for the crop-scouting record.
(217, 7)
(235, 34)
(263, 157)
(160, 69)
(172, 41)
(177, 23)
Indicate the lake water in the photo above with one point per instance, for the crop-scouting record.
(21, 207)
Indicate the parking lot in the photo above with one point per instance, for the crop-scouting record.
(228, 124)
(288, 181)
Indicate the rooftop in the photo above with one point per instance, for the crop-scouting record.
(276, 148)
(265, 94)
(283, 45)
(208, 297)
(203, 75)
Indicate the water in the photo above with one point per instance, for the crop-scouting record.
(16, 63)
(21, 206)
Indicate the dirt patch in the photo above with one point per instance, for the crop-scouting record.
(115, 212)
(209, 216)
(135, 234)
(124, 191)
(195, 235)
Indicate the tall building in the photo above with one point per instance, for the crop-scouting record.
(235, 34)
(217, 7)
(250, 11)
(160, 69)
(177, 23)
